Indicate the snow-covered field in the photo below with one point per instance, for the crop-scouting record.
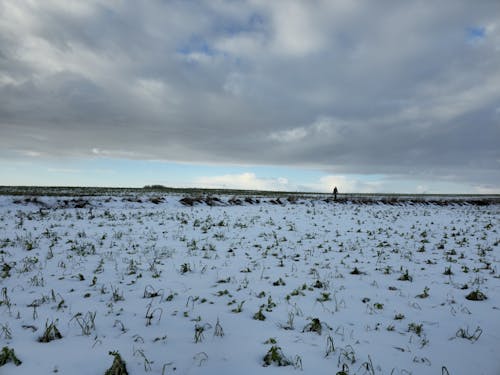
(241, 289)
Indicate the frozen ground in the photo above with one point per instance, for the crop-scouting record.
(370, 289)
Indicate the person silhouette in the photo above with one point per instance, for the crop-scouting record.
(335, 192)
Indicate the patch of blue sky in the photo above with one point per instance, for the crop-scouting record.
(255, 22)
(196, 44)
(476, 33)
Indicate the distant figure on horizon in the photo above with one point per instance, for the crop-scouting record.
(335, 192)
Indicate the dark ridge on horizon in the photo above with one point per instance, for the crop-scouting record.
(200, 195)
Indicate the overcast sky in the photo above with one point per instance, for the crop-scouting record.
(371, 95)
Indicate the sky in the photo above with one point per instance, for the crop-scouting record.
(370, 96)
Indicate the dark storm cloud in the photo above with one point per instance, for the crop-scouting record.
(403, 89)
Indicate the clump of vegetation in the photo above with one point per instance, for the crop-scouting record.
(5, 270)
(51, 333)
(7, 355)
(199, 330)
(118, 367)
(378, 306)
(289, 325)
(270, 304)
(314, 326)
(424, 294)
(218, 331)
(448, 271)
(476, 295)
(330, 347)
(279, 282)
(238, 308)
(405, 277)
(356, 271)
(318, 284)
(185, 268)
(325, 296)
(464, 334)
(275, 356)
(86, 322)
(259, 315)
(344, 371)
(224, 292)
(415, 328)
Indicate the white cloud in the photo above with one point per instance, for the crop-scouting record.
(346, 184)
(487, 189)
(29, 153)
(322, 128)
(291, 135)
(422, 189)
(295, 30)
(246, 181)
(325, 184)
(117, 154)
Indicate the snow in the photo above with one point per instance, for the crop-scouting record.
(154, 273)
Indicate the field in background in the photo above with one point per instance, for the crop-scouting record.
(390, 198)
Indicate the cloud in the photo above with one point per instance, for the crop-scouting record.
(245, 181)
(407, 90)
(487, 189)
(292, 135)
(346, 184)
(325, 184)
(322, 128)
(117, 154)
(295, 30)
